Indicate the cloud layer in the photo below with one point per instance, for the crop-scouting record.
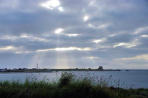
(74, 33)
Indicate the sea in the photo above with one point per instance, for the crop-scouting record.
(123, 79)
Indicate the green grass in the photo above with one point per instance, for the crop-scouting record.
(66, 87)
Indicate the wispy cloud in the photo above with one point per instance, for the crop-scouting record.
(65, 49)
(138, 57)
(28, 37)
(14, 49)
(134, 43)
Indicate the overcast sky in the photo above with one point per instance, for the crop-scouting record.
(74, 33)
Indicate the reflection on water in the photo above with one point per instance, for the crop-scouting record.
(125, 79)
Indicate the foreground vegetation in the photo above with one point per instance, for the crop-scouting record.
(66, 87)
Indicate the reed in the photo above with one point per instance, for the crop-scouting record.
(66, 87)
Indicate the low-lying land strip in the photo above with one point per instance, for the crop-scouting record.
(51, 70)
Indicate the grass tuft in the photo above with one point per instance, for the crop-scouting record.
(66, 87)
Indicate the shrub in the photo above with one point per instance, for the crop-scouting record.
(65, 79)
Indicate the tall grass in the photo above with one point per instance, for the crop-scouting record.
(66, 87)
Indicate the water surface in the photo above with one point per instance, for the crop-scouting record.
(125, 79)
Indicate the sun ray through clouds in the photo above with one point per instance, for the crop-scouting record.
(62, 59)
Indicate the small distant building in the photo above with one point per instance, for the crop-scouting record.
(100, 68)
(89, 68)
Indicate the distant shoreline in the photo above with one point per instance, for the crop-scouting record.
(53, 70)
(57, 70)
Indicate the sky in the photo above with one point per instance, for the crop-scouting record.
(74, 34)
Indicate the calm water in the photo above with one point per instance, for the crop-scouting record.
(125, 79)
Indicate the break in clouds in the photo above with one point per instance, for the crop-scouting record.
(74, 33)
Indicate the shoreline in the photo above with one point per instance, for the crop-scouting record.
(54, 70)
(58, 70)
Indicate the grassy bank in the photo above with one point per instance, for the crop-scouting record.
(66, 87)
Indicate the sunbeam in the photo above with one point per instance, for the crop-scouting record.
(62, 60)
